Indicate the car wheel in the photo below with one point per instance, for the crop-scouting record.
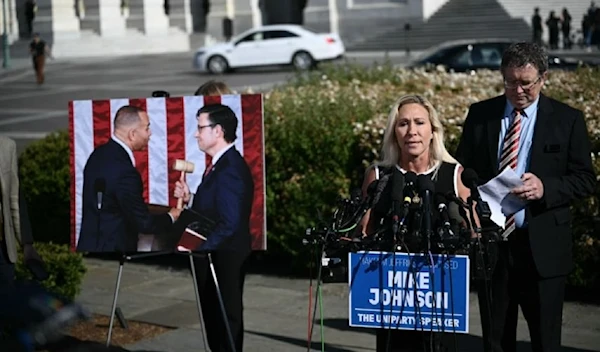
(302, 60)
(217, 64)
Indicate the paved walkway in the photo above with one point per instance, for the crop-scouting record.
(275, 312)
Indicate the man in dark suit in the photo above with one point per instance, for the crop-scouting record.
(114, 225)
(225, 195)
(547, 144)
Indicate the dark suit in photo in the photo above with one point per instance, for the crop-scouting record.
(225, 195)
(123, 214)
(535, 260)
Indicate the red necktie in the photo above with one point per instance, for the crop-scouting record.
(508, 158)
(208, 169)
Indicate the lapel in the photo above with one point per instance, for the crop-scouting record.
(544, 121)
(220, 164)
(493, 129)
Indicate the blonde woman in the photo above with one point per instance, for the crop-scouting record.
(413, 141)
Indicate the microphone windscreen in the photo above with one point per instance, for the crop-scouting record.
(454, 213)
(381, 184)
(469, 177)
(372, 188)
(397, 186)
(410, 178)
(424, 183)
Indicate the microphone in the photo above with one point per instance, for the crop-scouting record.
(457, 215)
(470, 179)
(454, 199)
(410, 180)
(397, 198)
(99, 188)
(381, 184)
(443, 210)
(426, 188)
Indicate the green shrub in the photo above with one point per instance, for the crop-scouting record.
(44, 177)
(66, 269)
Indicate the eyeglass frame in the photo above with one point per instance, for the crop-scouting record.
(209, 125)
(526, 87)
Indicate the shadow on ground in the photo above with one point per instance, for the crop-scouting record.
(462, 342)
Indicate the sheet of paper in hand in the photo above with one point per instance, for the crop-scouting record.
(497, 193)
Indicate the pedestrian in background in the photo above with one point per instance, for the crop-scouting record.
(39, 50)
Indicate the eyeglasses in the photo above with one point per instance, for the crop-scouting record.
(201, 127)
(524, 86)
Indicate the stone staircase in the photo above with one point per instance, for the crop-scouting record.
(457, 19)
(134, 42)
(524, 10)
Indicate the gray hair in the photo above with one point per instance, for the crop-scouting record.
(521, 54)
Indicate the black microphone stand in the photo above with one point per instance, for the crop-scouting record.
(479, 252)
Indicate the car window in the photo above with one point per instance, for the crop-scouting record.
(255, 36)
(491, 55)
(279, 35)
(463, 57)
(478, 55)
(438, 57)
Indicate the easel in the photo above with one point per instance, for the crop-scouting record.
(191, 256)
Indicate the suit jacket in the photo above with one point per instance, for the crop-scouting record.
(560, 158)
(124, 214)
(9, 183)
(226, 195)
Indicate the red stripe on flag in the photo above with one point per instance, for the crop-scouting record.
(208, 100)
(101, 117)
(141, 157)
(175, 141)
(253, 154)
(72, 175)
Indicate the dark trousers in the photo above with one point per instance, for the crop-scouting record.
(515, 282)
(230, 270)
(39, 62)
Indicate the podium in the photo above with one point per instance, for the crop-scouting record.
(420, 292)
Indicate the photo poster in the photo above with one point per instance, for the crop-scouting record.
(173, 124)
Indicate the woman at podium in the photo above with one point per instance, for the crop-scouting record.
(413, 144)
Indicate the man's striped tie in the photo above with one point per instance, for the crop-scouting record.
(508, 158)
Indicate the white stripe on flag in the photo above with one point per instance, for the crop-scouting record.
(115, 105)
(191, 105)
(83, 127)
(235, 103)
(158, 177)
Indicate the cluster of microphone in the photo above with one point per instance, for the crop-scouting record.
(409, 215)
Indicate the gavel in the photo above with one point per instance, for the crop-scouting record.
(185, 167)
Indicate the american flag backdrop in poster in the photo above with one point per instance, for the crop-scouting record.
(173, 124)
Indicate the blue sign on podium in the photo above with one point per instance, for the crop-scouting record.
(392, 290)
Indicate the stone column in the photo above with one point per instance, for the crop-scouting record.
(56, 19)
(13, 23)
(111, 22)
(156, 21)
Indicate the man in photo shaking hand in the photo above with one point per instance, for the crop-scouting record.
(225, 195)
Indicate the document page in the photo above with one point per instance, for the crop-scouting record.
(497, 194)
